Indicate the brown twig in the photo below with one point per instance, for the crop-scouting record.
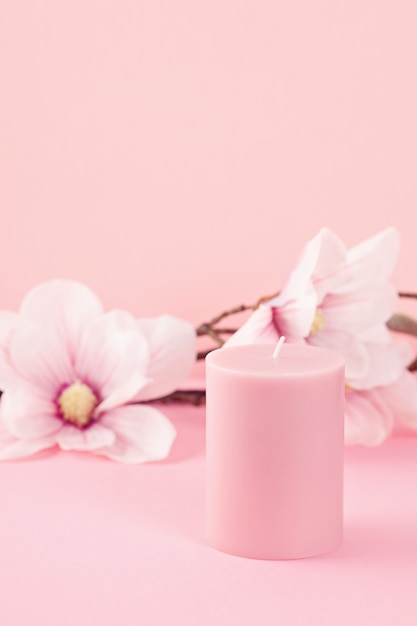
(413, 366)
(206, 329)
(203, 328)
(266, 298)
(190, 396)
(202, 355)
(407, 294)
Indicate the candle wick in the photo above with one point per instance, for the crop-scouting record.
(278, 347)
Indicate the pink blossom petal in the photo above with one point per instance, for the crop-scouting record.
(349, 346)
(28, 413)
(372, 261)
(8, 322)
(331, 259)
(321, 258)
(123, 360)
(86, 439)
(387, 364)
(142, 434)
(38, 357)
(14, 448)
(331, 254)
(92, 355)
(172, 347)
(401, 397)
(294, 319)
(97, 331)
(63, 306)
(360, 310)
(259, 328)
(7, 372)
(368, 419)
(376, 335)
(113, 357)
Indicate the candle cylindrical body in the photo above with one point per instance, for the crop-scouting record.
(275, 451)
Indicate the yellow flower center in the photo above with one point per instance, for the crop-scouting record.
(77, 403)
(319, 322)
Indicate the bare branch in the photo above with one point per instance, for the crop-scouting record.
(413, 366)
(190, 396)
(202, 355)
(203, 328)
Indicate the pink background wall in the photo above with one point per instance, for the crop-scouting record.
(175, 155)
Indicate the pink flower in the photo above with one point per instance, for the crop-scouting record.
(371, 414)
(371, 410)
(331, 298)
(340, 299)
(74, 376)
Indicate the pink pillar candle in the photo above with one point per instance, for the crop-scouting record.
(275, 451)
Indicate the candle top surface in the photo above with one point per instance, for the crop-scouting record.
(292, 360)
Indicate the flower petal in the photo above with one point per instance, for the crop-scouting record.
(349, 346)
(294, 319)
(142, 434)
(38, 357)
(330, 260)
(121, 374)
(401, 397)
(369, 262)
(8, 322)
(172, 347)
(27, 413)
(14, 448)
(63, 306)
(92, 438)
(7, 372)
(376, 335)
(368, 419)
(258, 328)
(113, 358)
(321, 258)
(90, 358)
(360, 310)
(386, 366)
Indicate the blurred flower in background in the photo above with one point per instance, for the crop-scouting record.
(341, 299)
(75, 377)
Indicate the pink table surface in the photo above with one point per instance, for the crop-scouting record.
(86, 541)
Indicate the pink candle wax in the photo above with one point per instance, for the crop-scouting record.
(274, 451)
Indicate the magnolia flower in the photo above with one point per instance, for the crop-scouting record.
(340, 299)
(331, 297)
(75, 377)
(371, 414)
(372, 410)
